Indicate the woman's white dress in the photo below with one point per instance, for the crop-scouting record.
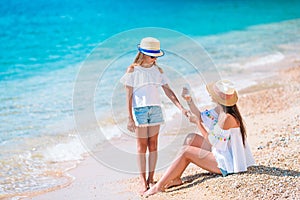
(227, 145)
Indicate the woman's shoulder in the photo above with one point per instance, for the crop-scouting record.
(230, 122)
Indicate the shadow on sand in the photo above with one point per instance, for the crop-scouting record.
(192, 180)
(272, 171)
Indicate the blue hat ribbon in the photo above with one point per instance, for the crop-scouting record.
(149, 51)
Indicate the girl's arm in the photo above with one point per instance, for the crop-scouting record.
(171, 95)
(129, 91)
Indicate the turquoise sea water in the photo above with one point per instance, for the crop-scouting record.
(43, 44)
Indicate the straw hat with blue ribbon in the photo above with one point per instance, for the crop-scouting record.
(151, 47)
(223, 92)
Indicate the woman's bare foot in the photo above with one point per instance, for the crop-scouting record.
(150, 183)
(153, 190)
(175, 182)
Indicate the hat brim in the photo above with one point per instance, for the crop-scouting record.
(159, 54)
(226, 102)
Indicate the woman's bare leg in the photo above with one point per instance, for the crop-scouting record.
(152, 146)
(196, 140)
(142, 143)
(203, 158)
(192, 139)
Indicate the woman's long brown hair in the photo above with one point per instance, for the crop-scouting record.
(234, 111)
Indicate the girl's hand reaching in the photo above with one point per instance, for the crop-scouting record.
(186, 112)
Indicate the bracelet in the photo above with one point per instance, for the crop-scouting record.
(190, 101)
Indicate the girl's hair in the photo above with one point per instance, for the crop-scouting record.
(234, 111)
(139, 59)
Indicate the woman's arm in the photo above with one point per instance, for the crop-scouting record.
(194, 109)
(202, 130)
(129, 92)
(199, 124)
(191, 105)
(171, 95)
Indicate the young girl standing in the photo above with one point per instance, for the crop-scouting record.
(142, 81)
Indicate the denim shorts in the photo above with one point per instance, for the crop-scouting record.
(224, 172)
(148, 116)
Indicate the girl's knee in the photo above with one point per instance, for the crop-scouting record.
(141, 150)
(152, 145)
(142, 147)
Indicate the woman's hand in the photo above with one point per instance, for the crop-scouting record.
(193, 119)
(131, 125)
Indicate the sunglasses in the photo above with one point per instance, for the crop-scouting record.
(153, 57)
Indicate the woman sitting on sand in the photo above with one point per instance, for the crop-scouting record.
(221, 150)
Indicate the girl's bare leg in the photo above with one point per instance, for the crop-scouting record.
(152, 146)
(142, 142)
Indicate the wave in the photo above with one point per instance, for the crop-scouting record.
(264, 60)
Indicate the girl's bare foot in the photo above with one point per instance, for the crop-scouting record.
(153, 190)
(143, 190)
(144, 186)
(175, 182)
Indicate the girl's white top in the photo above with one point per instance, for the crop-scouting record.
(227, 145)
(146, 83)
